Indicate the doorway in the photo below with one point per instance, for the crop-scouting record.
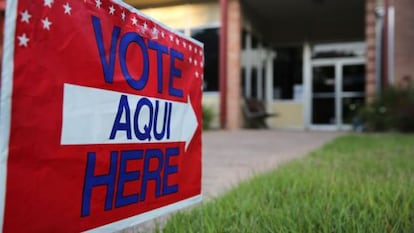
(337, 92)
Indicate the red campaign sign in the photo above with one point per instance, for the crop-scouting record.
(100, 117)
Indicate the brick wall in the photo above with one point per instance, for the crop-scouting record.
(233, 65)
(370, 71)
(404, 40)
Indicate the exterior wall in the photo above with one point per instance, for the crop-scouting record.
(289, 115)
(370, 70)
(233, 83)
(404, 38)
(198, 15)
(186, 16)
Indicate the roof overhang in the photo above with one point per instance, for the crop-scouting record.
(142, 4)
(293, 21)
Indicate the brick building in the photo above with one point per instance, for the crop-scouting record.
(311, 61)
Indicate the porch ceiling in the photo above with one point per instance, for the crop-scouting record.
(294, 21)
(141, 4)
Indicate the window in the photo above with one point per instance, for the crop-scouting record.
(210, 38)
(288, 72)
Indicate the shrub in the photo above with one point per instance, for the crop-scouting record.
(394, 110)
(208, 116)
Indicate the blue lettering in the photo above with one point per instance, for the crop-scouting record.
(175, 73)
(125, 176)
(156, 168)
(168, 170)
(92, 181)
(161, 135)
(126, 40)
(161, 49)
(108, 57)
(152, 175)
(118, 125)
(143, 129)
(169, 120)
(108, 67)
(146, 135)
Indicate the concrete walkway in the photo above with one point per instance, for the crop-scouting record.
(233, 156)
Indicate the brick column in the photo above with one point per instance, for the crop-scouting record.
(404, 41)
(370, 69)
(233, 83)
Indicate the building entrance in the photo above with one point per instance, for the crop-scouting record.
(337, 92)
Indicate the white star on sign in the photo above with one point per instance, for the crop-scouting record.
(123, 16)
(177, 41)
(197, 74)
(134, 20)
(171, 38)
(190, 60)
(98, 3)
(162, 34)
(46, 23)
(145, 26)
(23, 40)
(48, 3)
(195, 62)
(191, 48)
(68, 9)
(25, 16)
(184, 44)
(111, 10)
(155, 31)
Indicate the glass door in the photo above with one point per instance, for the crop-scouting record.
(323, 95)
(337, 92)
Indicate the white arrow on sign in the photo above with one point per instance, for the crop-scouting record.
(89, 115)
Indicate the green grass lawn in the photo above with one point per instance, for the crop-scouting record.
(357, 183)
